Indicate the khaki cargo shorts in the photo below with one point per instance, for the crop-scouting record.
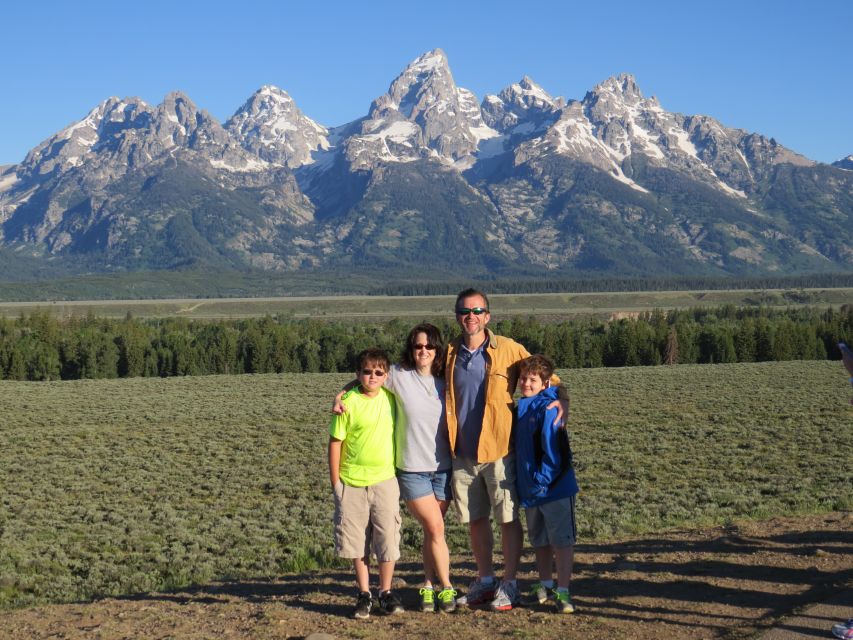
(481, 489)
(368, 519)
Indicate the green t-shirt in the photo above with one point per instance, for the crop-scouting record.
(366, 430)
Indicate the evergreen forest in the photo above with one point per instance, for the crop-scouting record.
(42, 347)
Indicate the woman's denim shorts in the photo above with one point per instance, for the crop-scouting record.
(417, 484)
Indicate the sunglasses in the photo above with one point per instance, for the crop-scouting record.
(376, 372)
(420, 347)
(477, 311)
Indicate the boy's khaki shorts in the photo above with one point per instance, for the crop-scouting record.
(480, 489)
(368, 519)
(552, 523)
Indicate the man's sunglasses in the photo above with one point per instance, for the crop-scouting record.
(377, 372)
(420, 347)
(477, 311)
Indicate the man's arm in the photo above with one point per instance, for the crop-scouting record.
(561, 404)
(334, 461)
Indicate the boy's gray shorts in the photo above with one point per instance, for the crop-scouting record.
(552, 523)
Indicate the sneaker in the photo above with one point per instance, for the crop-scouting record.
(506, 597)
(363, 605)
(389, 603)
(427, 599)
(562, 602)
(447, 600)
(478, 593)
(843, 630)
(538, 594)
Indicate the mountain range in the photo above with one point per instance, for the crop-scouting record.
(430, 181)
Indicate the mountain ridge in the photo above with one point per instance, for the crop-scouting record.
(608, 184)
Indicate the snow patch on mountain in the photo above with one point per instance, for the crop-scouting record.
(270, 125)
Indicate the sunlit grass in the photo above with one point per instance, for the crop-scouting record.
(120, 486)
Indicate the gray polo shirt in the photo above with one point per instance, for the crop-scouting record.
(469, 389)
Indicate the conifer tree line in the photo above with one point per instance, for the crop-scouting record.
(42, 347)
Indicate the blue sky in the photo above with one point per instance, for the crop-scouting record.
(783, 68)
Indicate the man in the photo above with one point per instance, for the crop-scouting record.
(482, 372)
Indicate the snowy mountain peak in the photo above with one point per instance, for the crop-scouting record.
(270, 125)
(522, 103)
(528, 94)
(424, 82)
(429, 62)
(274, 93)
(844, 163)
(623, 86)
(423, 114)
(70, 147)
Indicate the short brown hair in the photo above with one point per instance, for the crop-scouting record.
(538, 365)
(376, 356)
(467, 293)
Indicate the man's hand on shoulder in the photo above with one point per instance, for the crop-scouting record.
(561, 405)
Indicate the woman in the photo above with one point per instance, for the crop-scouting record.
(423, 454)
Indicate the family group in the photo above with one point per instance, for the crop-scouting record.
(440, 427)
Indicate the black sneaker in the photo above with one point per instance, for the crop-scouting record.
(389, 603)
(363, 605)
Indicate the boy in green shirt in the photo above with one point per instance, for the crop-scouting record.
(361, 470)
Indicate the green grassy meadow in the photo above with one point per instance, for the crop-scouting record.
(110, 487)
(387, 307)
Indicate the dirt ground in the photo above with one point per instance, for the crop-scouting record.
(731, 582)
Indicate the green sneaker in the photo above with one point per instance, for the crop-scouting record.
(447, 600)
(562, 602)
(427, 599)
(538, 594)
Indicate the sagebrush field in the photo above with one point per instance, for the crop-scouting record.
(124, 486)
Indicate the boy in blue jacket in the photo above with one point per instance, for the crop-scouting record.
(546, 482)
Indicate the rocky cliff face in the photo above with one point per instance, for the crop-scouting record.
(524, 181)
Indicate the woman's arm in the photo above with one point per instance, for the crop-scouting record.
(338, 407)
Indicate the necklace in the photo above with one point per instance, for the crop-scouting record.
(430, 389)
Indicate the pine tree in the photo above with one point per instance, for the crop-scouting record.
(671, 353)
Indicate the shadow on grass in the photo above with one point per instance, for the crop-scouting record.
(717, 583)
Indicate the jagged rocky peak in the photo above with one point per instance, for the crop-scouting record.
(270, 125)
(616, 96)
(530, 95)
(844, 163)
(70, 147)
(519, 103)
(425, 81)
(624, 86)
(178, 119)
(423, 115)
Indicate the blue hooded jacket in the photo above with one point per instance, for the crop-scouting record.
(542, 472)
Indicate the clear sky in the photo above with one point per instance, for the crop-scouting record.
(781, 68)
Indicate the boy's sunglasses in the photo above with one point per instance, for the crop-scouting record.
(477, 311)
(377, 372)
(420, 347)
